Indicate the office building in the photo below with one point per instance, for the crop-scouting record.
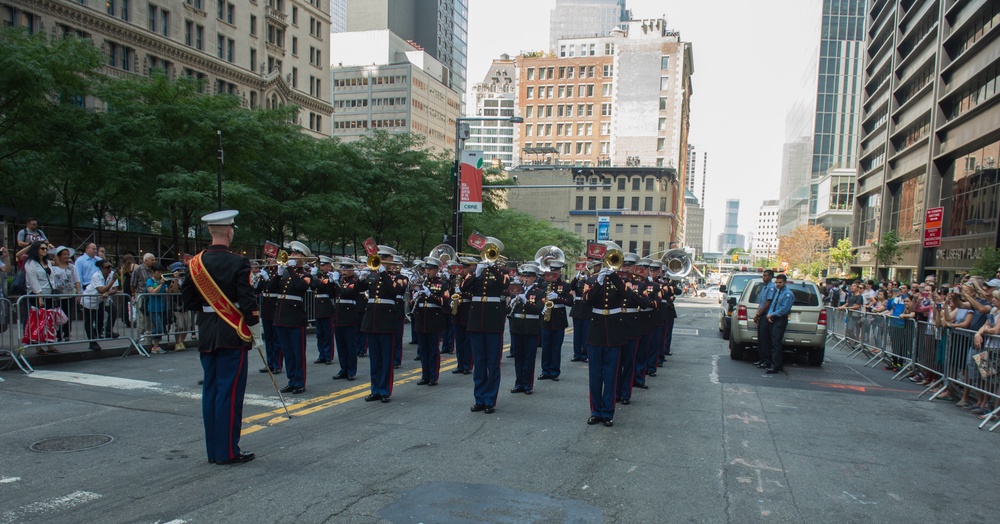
(825, 119)
(764, 238)
(835, 202)
(585, 18)
(338, 16)
(730, 238)
(930, 135)
(268, 53)
(694, 224)
(439, 27)
(495, 96)
(382, 82)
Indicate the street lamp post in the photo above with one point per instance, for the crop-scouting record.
(457, 211)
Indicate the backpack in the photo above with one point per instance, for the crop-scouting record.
(19, 286)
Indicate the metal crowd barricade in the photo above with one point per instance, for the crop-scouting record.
(90, 319)
(160, 317)
(9, 344)
(836, 326)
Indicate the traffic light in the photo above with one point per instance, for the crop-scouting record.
(735, 257)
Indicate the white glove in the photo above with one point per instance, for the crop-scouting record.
(282, 270)
(335, 276)
(480, 267)
(552, 295)
(293, 263)
(363, 275)
(603, 275)
(426, 291)
(257, 330)
(381, 268)
(522, 298)
(314, 271)
(649, 278)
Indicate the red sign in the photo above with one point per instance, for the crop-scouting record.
(370, 247)
(934, 217)
(595, 250)
(271, 249)
(471, 188)
(477, 241)
(581, 266)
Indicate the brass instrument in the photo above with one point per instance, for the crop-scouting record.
(613, 257)
(456, 300)
(373, 262)
(282, 258)
(444, 253)
(676, 264)
(543, 257)
(492, 251)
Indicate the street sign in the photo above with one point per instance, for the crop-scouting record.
(933, 220)
(603, 229)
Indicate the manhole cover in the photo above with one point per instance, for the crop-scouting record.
(71, 443)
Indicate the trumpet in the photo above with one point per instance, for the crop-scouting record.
(492, 251)
(613, 259)
(373, 262)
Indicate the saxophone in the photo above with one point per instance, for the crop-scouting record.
(456, 300)
(549, 305)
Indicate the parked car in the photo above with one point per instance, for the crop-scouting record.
(733, 287)
(712, 292)
(806, 332)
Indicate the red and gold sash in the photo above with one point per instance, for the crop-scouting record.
(217, 299)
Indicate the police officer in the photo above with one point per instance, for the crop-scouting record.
(580, 312)
(463, 346)
(487, 288)
(764, 300)
(268, 303)
(554, 331)
(325, 289)
(526, 304)
(777, 315)
(428, 314)
(380, 326)
(219, 289)
(345, 318)
(290, 316)
(650, 321)
(604, 342)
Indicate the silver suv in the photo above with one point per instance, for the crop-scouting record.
(733, 287)
(806, 332)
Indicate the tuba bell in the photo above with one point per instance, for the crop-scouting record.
(548, 254)
(444, 253)
(492, 251)
(676, 264)
(374, 262)
(614, 257)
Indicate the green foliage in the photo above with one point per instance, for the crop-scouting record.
(523, 234)
(842, 254)
(987, 265)
(887, 250)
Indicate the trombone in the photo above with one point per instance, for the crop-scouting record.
(492, 251)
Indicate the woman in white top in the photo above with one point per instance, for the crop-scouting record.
(65, 281)
(38, 280)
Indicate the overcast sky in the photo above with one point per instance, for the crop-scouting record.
(749, 58)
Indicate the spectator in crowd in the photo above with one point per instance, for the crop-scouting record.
(156, 306)
(38, 280)
(855, 301)
(904, 290)
(181, 317)
(128, 265)
(66, 281)
(4, 269)
(881, 302)
(30, 234)
(101, 253)
(955, 316)
(976, 300)
(140, 274)
(869, 294)
(96, 302)
(86, 265)
(987, 338)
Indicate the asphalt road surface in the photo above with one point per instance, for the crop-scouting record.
(712, 440)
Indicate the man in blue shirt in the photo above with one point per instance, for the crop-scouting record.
(86, 265)
(777, 316)
(764, 299)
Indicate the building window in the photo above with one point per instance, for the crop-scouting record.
(606, 89)
(153, 16)
(221, 40)
(253, 60)
(647, 230)
(619, 229)
(530, 93)
(971, 194)
(621, 184)
(220, 11)
(606, 109)
(649, 183)
(125, 9)
(635, 183)
(660, 143)
(633, 229)
(609, 70)
(531, 73)
(230, 49)
(664, 83)
(253, 25)
(620, 202)
(633, 245)
(110, 4)
(663, 103)
(635, 204)
(579, 203)
(165, 17)
(592, 203)
(606, 202)
(578, 228)
(188, 32)
(590, 229)
(649, 204)
(662, 124)
(295, 46)
(295, 77)
(199, 38)
(664, 63)
(609, 49)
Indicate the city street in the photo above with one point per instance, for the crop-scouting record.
(711, 440)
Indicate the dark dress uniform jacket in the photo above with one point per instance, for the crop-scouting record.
(429, 312)
(401, 283)
(231, 273)
(579, 287)
(462, 318)
(267, 301)
(633, 303)
(525, 318)
(289, 312)
(323, 306)
(669, 312)
(648, 320)
(565, 299)
(488, 315)
(380, 314)
(346, 303)
(607, 330)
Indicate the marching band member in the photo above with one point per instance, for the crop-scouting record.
(401, 284)
(525, 326)
(428, 314)
(219, 289)
(448, 333)
(380, 326)
(290, 316)
(669, 290)
(325, 289)
(554, 331)
(630, 310)
(650, 318)
(460, 320)
(581, 313)
(345, 318)
(604, 341)
(656, 343)
(487, 287)
(268, 303)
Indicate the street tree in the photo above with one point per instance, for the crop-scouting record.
(887, 250)
(805, 245)
(842, 254)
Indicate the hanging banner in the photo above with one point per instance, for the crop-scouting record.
(603, 229)
(471, 179)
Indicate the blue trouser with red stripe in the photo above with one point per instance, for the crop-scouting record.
(397, 343)
(641, 358)
(324, 338)
(273, 350)
(463, 349)
(552, 341)
(347, 348)
(430, 355)
(580, 328)
(293, 345)
(380, 357)
(487, 346)
(525, 349)
(626, 369)
(603, 377)
(222, 401)
(655, 348)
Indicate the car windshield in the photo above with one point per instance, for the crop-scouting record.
(738, 283)
(805, 294)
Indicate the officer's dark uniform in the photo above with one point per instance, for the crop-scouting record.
(650, 321)
(268, 303)
(554, 331)
(580, 312)
(380, 326)
(223, 353)
(345, 326)
(637, 310)
(290, 326)
(402, 284)
(525, 327)
(485, 330)
(362, 306)
(604, 342)
(670, 291)
(325, 291)
(463, 346)
(428, 316)
(448, 333)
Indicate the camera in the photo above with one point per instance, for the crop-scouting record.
(514, 178)
(939, 306)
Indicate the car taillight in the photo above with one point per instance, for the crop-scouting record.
(822, 317)
(741, 313)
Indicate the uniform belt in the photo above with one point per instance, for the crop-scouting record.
(487, 299)
(525, 315)
(646, 309)
(322, 295)
(290, 297)
(207, 309)
(607, 311)
(344, 301)
(630, 310)
(268, 295)
(578, 300)
(559, 306)
(377, 300)
(426, 304)
(664, 301)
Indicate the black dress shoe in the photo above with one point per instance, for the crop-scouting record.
(574, 359)
(386, 400)
(618, 399)
(510, 355)
(584, 360)
(373, 397)
(527, 392)
(264, 370)
(477, 408)
(467, 372)
(650, 373)
(518, 389)
(449, 352)
(319, 361)
(642, 386)
(543, 377)
(423, 382)
(758, 363)
(764, 365)
(299, 391)
(554, 379)
(350, 378)
(774, 370)
(287, 389)
(457, 372)
(340, 375)
(413, 342)
(489, 409)
(416, 358)
(244, 456)
(362, 355)
(432, 383)
(608, 423)
(626, 401)
(594, 420)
